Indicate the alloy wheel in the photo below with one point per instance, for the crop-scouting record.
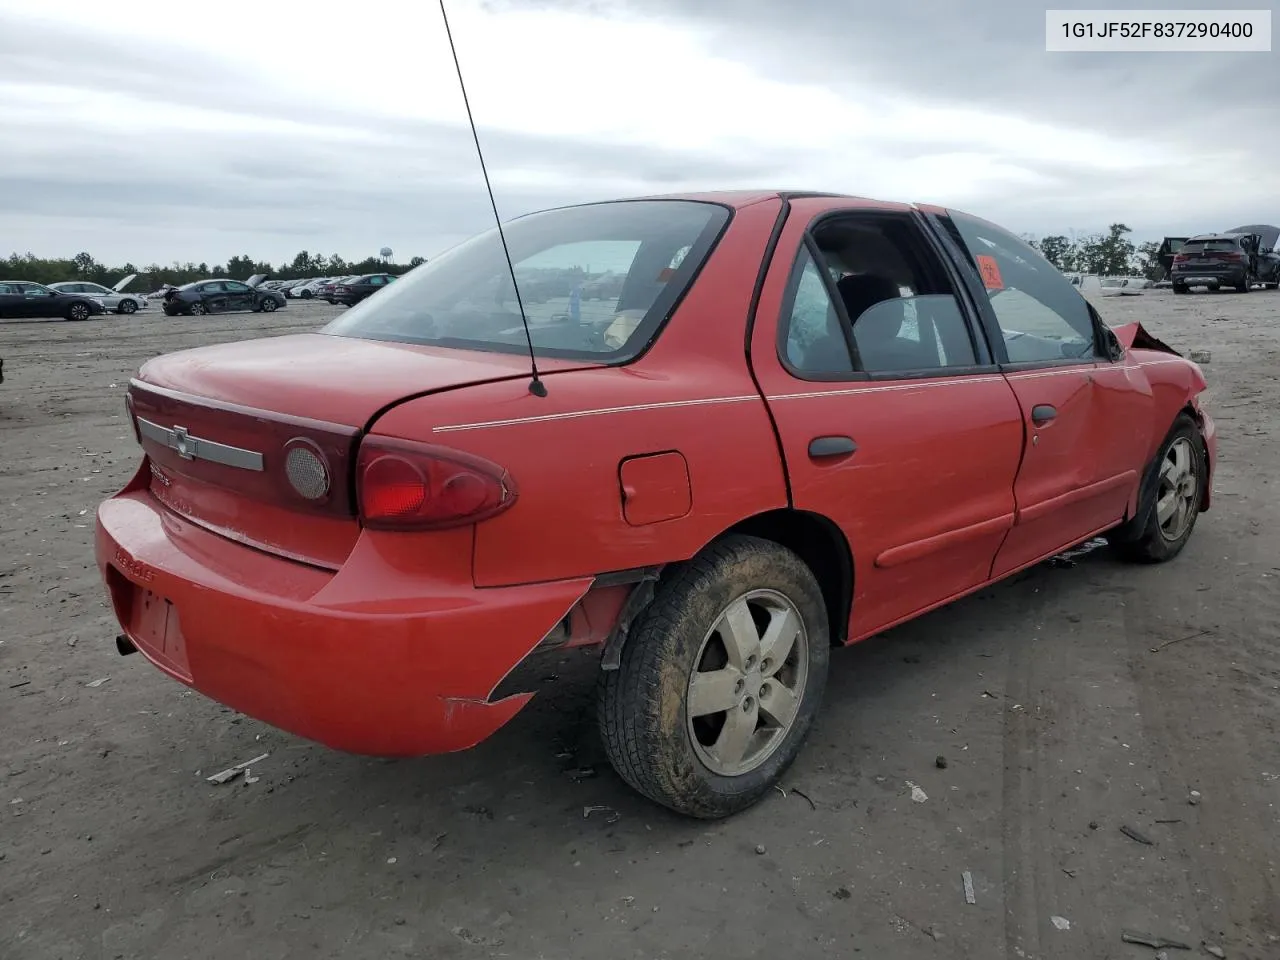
(1179, 490)
(749, 675)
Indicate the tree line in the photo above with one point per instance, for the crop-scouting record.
(1108, 254)
(83, 266)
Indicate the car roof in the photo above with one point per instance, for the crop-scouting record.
(1216, 236)
(734, 198)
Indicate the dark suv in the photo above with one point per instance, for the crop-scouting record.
(1216, 260)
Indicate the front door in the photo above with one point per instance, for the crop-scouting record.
(1074, 480)
(240, 296)
(894, 422)
(39, 301)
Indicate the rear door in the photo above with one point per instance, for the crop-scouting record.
(894, 422)
(11, 302)
(1077, 476)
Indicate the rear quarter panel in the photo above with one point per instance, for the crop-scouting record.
(692, 392)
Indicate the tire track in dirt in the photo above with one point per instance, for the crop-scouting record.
(1210, 703)
(1077, 766)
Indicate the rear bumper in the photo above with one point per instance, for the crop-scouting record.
(370, 660)
(1222, 275)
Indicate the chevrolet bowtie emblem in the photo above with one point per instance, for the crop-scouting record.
(188, 447)
(184, 443)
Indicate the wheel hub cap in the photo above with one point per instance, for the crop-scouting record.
(1179, 490)
(749, 677)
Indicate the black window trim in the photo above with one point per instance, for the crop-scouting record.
(912, 219)
(944, 224)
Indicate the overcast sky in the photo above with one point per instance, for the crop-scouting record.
(137, 130)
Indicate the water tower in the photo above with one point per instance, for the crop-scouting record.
(385, 254)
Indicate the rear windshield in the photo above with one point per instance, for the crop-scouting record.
(597, 282)
(1208, 246)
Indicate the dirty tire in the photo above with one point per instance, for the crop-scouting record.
(642, 707)
(78, 312)
(1180, 288)
(1151, 543)
(197, 309)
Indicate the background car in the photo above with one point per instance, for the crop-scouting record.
(22, 299)
(1217, 260)
(353, 291)
(113, 298)
(291, 288)
(307, 289)
(606, 287)
(325, 290)
(220, 296)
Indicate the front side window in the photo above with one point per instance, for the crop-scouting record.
(465, 297)
(235, 286)
(1042, 317)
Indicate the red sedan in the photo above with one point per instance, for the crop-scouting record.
(805, 418)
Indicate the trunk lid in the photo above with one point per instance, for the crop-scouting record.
(231, 429)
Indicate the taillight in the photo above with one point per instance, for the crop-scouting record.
(341, 289)
(1231, 256)
(404, 485)
(1180, 258)
(133, 418)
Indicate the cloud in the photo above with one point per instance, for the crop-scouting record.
(137, 133)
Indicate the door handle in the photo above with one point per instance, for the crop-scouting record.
(820, 447)
(1042, 413)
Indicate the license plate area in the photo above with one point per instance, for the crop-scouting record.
(156, 631)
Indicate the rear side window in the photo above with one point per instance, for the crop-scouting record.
(465, 298)
(874, 276)
(1042, 317)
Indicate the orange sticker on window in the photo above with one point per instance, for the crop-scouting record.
(665, 274)
(990, 271)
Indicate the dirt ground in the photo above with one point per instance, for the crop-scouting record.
(1068, 703)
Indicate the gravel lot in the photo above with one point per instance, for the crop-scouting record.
(1058, 723)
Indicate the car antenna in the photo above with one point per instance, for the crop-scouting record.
(536, 386)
